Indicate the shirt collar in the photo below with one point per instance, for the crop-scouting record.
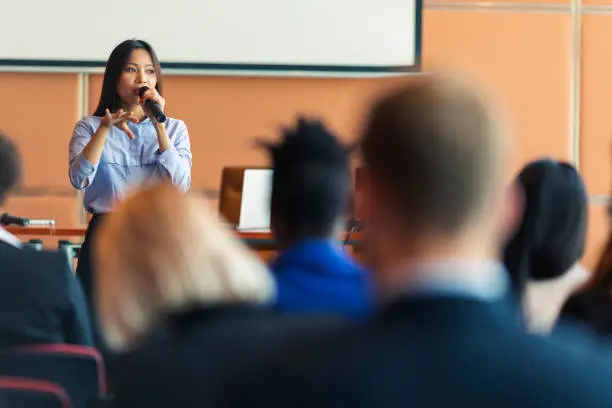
(475, 279)
(309, 245)
(9, 238)
(544, 298)
(312, 250)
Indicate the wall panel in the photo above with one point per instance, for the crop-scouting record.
(596, 102)
(526, 4)
(38, 111)
(523, 58)
(598, 233)
(225, 114)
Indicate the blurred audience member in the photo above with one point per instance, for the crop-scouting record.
(182, 301)
(40, 299)
(438, 214)
(310, 193)
(543, 257)
(592, 306)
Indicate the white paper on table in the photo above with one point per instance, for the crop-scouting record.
(255, 203)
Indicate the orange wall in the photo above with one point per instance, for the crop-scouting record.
(522, 53)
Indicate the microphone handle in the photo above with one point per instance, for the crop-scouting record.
(7, 219)
(156, 110)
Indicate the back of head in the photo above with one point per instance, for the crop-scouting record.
(434, 156)
(161, 252)
(10, 167)
(552, 234)
(311, 182)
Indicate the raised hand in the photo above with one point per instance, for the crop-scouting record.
(120, 120)
(152, 94)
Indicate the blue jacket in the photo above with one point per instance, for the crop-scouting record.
(318, 276)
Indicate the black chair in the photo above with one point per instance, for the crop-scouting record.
(25, 392)
(79, 370)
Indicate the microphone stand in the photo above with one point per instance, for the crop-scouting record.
(354, 225)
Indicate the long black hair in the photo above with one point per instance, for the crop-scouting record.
(114, 67)
(553, 232)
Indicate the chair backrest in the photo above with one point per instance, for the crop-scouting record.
(31, 393)
(78, 369)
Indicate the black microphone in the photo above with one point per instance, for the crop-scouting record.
(152, 106)
(8, 219)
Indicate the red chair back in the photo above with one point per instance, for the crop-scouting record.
(75, 350)
(78, 369)
(27, 392)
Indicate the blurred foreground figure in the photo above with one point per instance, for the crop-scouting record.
(447, 334)
(41, 301)
(183, 302)
(592, 305)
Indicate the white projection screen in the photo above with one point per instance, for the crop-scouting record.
(200, 36)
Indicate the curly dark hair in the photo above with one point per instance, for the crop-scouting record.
(311, 183)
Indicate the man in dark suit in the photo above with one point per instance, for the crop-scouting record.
(438, 211)
(40, 299)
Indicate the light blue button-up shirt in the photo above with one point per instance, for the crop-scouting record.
(127, 163)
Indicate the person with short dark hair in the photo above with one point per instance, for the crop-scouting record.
(438, 213)
(543, 257)
(310, 195)
(40, 299)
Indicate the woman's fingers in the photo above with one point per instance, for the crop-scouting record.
(131, 117)
(150, 94)
(123, 126)
(120, 119)
(153, 95)
(108, 117)
(123, 116)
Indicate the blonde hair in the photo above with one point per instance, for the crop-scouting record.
(161, 252)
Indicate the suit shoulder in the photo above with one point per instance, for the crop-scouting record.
(51, 260)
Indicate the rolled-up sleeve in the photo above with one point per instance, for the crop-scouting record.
(80, 171)
(175, 161)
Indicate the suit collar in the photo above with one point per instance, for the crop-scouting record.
(458, 312)
(473, 279)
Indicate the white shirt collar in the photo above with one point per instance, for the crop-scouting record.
(544, 299)
(480, 279)
(9, 238)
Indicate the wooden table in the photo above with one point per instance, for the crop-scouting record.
(259, 241)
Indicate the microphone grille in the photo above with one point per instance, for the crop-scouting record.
(142, 90)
